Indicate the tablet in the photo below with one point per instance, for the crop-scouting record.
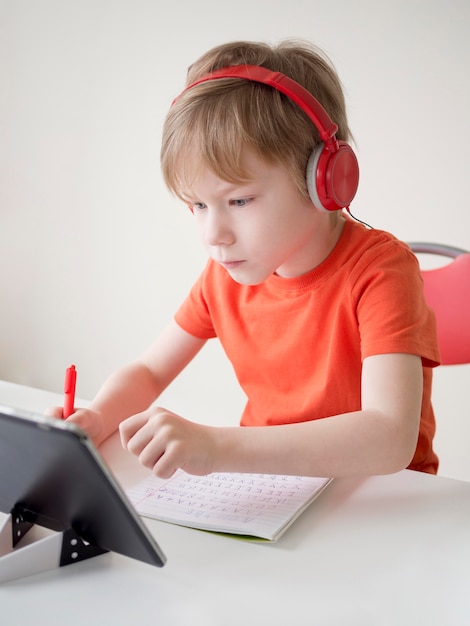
(51, 471)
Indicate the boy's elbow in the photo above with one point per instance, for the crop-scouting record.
(401, 452)
(400, 462)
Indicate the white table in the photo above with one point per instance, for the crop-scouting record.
(390, 550)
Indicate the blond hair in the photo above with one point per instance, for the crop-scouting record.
(213, 123)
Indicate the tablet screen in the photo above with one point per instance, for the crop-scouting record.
(50, 470)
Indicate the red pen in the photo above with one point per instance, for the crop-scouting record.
(69, 391)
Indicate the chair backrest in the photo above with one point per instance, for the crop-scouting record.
(447, 291)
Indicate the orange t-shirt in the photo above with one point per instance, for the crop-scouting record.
(297, 344)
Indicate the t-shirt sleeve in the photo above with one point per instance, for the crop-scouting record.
(393, 315)
(193, 315)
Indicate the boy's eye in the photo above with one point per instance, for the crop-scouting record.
(241, 201)
(197, 206)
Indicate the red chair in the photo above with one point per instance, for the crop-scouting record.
(447, 291)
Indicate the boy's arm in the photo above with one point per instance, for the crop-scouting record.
(133, 388)
(379, 439)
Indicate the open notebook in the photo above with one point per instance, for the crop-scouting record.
(253, 505)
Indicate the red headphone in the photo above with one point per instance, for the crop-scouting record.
(332, 170)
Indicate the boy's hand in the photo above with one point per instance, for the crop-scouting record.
(88, 420)
(165, 442)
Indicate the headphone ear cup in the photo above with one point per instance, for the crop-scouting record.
(311, 176)
(332, 177)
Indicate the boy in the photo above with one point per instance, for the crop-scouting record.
(323, 319)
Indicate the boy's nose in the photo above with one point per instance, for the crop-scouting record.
(217, 230)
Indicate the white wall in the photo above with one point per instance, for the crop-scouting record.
(95, 253)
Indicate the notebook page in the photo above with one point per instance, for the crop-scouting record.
(258, 505)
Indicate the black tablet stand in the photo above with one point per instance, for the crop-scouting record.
(22, 554)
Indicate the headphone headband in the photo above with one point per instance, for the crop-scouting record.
(298, 94)
(332, 171)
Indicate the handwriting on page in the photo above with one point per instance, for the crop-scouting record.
(226, 502)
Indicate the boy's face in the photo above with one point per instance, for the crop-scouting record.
(264, 226)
